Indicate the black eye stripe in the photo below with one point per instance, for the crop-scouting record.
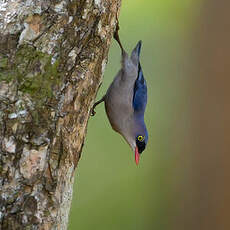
(140, 146)
(141, 143)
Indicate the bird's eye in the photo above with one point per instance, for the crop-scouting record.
(140, 138)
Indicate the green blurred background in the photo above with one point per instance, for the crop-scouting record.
(111, 192)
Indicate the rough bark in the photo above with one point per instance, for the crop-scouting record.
(52, 57)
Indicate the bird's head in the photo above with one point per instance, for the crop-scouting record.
(141, 142)
(137, 138)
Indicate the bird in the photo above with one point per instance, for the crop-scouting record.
(125, 100)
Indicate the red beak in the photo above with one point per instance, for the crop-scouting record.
(137, 155)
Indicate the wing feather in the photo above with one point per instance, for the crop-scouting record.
(140, 92)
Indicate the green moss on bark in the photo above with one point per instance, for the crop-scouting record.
(3, 62)
(33, 72)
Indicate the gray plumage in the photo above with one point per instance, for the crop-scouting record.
(125, 110)
(119, 98)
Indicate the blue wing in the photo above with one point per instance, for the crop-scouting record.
(140, 92)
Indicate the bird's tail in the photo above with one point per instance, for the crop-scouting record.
(135, 56)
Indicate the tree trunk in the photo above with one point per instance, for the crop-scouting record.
(52, 57)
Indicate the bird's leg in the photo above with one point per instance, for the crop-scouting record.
(116, 35)
(95, 104)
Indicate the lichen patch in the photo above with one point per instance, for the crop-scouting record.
(33, 27)
(103, 65)
(97, 2)
(32, 161)
(70, 19)
(60, 7)
(3, 6)
(9, 144)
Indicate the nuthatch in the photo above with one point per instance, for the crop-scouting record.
(125, 101)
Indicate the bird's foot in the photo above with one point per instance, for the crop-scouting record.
(93, 112)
